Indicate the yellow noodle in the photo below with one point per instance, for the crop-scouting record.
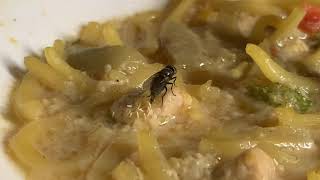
(117, 148)
(61, 66)
(288, 26)
(23, 145)
(180, 11)
(313, 175)
(152, 159)
(27, 99)
(262, 8)
(276, 73)
(288, 117)
(45, 74)
(227, 148)
(103, 166)
(126, 170)
(92, 35)
(258, 33)
(59, 47)
(313, 62)
(111, 35)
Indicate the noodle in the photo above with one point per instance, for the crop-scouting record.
(288, 117)
(287, 27)
(61, 66)
(313, 62)
(180, 11)
(276, 73)
(45, 74)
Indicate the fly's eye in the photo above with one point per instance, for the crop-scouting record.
(172, 68)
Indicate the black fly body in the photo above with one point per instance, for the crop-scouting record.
(160, 80)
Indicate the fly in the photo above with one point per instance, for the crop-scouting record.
(160, 80)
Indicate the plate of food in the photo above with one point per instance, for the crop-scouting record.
(160, 90)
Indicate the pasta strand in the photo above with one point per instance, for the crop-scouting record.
(276, 73)
(313, 62)
(180, 11)
(45, 74)
(286, 28)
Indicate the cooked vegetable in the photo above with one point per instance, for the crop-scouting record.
(280, 95)
(311, 21)
(94, 61)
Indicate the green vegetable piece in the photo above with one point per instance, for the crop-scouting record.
(279, 95)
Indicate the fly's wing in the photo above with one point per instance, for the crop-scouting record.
(146, 85)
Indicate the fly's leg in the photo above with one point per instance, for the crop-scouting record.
(164, 95)
(151, 99)
(172, 84)
(174, 80)
(151, 96)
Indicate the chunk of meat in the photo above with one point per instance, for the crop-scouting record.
(246, 23)
(253, 164)
(234, 24)
(173, 105)
(221, 103)
(135, 104)
(194, 166)
(180, 114)
(292, 50)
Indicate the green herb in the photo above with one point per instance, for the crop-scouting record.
(280, 95)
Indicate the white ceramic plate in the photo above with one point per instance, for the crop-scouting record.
(27, 26)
